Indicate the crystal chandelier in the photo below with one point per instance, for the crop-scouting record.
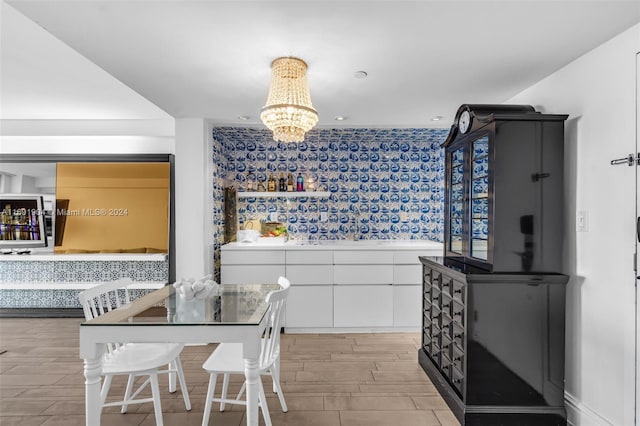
(288, 112)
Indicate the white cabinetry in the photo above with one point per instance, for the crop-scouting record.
(333, 287)
(363, 296)
(310, 306)
(407, 306)
(255, 266)
(407, 289)
(363, 306)
(310, 302)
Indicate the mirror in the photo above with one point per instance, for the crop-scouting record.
(35, 179)
(97, 207)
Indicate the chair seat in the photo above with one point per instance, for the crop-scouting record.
(226, 358)
(137, 357)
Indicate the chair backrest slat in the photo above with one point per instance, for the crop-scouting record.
(271, 342)
(104, 298)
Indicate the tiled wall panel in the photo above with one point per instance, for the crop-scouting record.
(60, 272)
(384, 183)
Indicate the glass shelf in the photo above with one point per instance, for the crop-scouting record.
(315, 194)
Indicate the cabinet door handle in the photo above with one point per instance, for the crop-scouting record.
(629, 160)
(537, 176)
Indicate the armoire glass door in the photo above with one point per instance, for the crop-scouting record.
(456, 197)
(479, 198)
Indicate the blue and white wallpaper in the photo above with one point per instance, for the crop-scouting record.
(383, 183)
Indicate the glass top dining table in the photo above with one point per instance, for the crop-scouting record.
(234, 304)
(236, 314)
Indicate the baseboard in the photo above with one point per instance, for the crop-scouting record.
(41, 313)
(345, 330)
(579, 414)
(154, 311)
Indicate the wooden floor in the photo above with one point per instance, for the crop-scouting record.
(328, 380)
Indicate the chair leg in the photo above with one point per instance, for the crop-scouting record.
(105, 388)
(275, 373)
(225, 388)
(155, 392)
(183, 384)
(262, 400)
(208, 402)
(276, 385)
(172, 376)
(242, 389)
(127, 392)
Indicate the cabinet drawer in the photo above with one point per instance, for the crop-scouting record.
(435, 296)
(407, 306)
(457, 334)
(251, 274)
(312, 257)
(410, 257)
(427, 275)
(434, 349)
(457, 313)
(457, 291)
(310, 306)
(445, 367)
(407, 274)
(363, 274)
(362, 257)
(363, 306)
(252, 257)
(457, 378)
(436, 279)
(310, 274)
(458, 358)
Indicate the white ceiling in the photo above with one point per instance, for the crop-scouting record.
(212, 59)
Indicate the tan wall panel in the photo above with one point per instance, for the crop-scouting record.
(110, 213)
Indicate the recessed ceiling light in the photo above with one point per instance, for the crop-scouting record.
(360, 74)
(340, 118)
(436, 118)
(243, 117)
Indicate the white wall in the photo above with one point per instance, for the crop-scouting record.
(87, 136)
(597, 91)
(193, 198)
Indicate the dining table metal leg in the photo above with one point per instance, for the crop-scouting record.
(252, 376)
(92, 382)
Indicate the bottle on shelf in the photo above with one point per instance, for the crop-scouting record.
(299, 183)
(261, 187)
(271, 183)
(289, 183)
(282, 186)
(251, 182)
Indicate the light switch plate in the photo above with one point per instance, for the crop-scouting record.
(582, 221)
(324, 216)
(273, 217)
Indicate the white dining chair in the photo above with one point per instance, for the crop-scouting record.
(227, 359)
(133, 359)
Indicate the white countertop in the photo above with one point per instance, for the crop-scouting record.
(104, 257)
(340, 245)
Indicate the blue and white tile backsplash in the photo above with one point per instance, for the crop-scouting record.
(69, 272)
(383, 183)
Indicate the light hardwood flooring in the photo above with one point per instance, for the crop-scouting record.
(327, 379)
